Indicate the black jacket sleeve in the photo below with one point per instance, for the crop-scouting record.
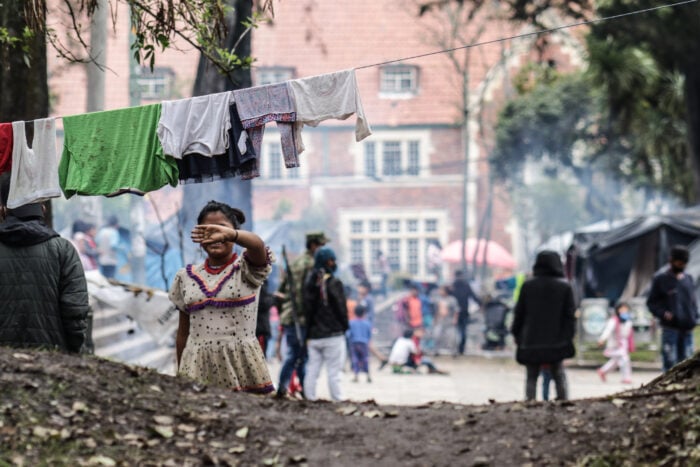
(519, 315)
(73, 298)
(340, 306)
(569, 318)
(657, 300)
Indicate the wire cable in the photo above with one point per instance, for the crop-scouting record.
(528, 34)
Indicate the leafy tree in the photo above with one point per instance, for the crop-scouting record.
(649, 70)
(654, 110)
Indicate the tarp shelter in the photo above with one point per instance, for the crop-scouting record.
(619, 263)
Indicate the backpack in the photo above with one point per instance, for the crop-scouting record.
(630, 337)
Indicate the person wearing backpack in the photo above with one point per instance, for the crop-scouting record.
(618, 338)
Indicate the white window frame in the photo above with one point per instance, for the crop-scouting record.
(405, 138)
(271, 139)
(148, 83)
(411, 229)
(398, 81)
(273, 75)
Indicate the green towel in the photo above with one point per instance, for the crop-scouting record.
(113, 152)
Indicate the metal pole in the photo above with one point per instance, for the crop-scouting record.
(465, 172)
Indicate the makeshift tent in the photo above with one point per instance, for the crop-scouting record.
(619, 263)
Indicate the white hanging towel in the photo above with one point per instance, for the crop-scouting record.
(198, 125)
(34, 174)
(332, 95)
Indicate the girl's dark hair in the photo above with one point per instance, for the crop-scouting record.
(619, 305)
(234, 215)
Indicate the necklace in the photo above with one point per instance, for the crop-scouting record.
(217, 269)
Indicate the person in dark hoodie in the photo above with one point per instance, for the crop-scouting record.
(672, 300)
(327, 321)
(544, 323)
(43, 291)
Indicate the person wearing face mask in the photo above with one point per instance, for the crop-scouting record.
(327, 321)
(617, 338)
(218, 302)
(672, 301)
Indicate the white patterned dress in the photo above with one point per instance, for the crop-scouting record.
(222, 349)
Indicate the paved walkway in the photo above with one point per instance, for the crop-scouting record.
(471, 380)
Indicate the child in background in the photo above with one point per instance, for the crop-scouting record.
(359, 335)
(617, 337)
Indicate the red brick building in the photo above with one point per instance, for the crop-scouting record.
(400, 188)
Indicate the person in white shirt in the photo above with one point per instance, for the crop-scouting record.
(406, 353)
(107, 240)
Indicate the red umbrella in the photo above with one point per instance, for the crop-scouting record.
(496, 255)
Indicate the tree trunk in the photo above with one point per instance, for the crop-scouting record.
(692, 103)
(24, 92)
(232, 191)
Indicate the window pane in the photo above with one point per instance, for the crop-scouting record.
(400, 79)
(356, 226)
(412, 225)
(274, 158)
(294, 172)
(413, 167)
(431, 225)
(394, 254)
(394, 225)
(356, 251)
(375, 246)
(370, 159)
(392, 158)
(273, 75)
(375, 226)
(413, 256)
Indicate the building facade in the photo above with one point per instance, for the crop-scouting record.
(400, 189)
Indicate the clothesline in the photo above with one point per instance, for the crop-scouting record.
(140, 149)
(528, 34)
(520, 36)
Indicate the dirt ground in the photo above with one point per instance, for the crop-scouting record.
(58, 409)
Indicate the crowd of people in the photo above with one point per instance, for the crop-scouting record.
(225, 307)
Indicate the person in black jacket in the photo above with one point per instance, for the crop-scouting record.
(262, 327)
(672, 300)
(544, 323)
(463, 292)
(43, 292)
(327, 321)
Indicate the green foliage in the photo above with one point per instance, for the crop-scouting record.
(10, 41)
(155, 24)
(546, 123)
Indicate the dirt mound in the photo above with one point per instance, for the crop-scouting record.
(58, 409)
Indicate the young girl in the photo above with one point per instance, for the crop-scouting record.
(218, 303)
(616, 337)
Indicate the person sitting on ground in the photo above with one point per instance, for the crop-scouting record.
(406, 353)
(359, 336)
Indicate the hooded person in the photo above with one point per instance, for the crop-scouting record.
(42, 283)
(327, 321)
(544, 323)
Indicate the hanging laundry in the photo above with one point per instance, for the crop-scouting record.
(113, 152)
(321, 97)
(239, 159)
(5, 147)
(263, 104)
(198, 125)
(34, 173)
